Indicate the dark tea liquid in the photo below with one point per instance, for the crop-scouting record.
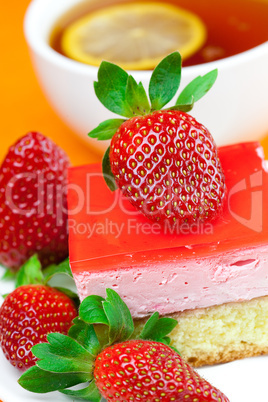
(233, 26)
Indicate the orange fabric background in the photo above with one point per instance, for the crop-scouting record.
(22, 103)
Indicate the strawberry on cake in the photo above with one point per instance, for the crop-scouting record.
(192, 241)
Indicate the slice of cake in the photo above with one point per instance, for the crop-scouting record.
(213, 277)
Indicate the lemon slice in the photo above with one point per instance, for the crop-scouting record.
(134, 35)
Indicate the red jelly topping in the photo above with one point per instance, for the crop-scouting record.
(106, 232)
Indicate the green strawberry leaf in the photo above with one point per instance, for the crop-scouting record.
(165, 81)
(121, 325)
(149, 326)
(156, 329)
(185, 107)
(65, 361)
(107, 171)
(166, 340)
(9, 275)
(85, 334)
(90, 393)
(30, 273)
(62, 268)
(111, 88)
(106, 129)
(137, 97)
(62, 354)
(91, 310)
(67, 292)
(197, 88)
(41, 381)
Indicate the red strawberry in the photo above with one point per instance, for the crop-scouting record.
(163, 160)
(167, 164)
(144, 369)
(151, 371)
(27, 315)
(33, 204)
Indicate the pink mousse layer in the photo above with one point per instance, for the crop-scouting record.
(185, 284)
(112, 246)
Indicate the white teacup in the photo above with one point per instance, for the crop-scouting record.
(235, 110)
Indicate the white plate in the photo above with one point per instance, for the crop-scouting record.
(242, 381)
